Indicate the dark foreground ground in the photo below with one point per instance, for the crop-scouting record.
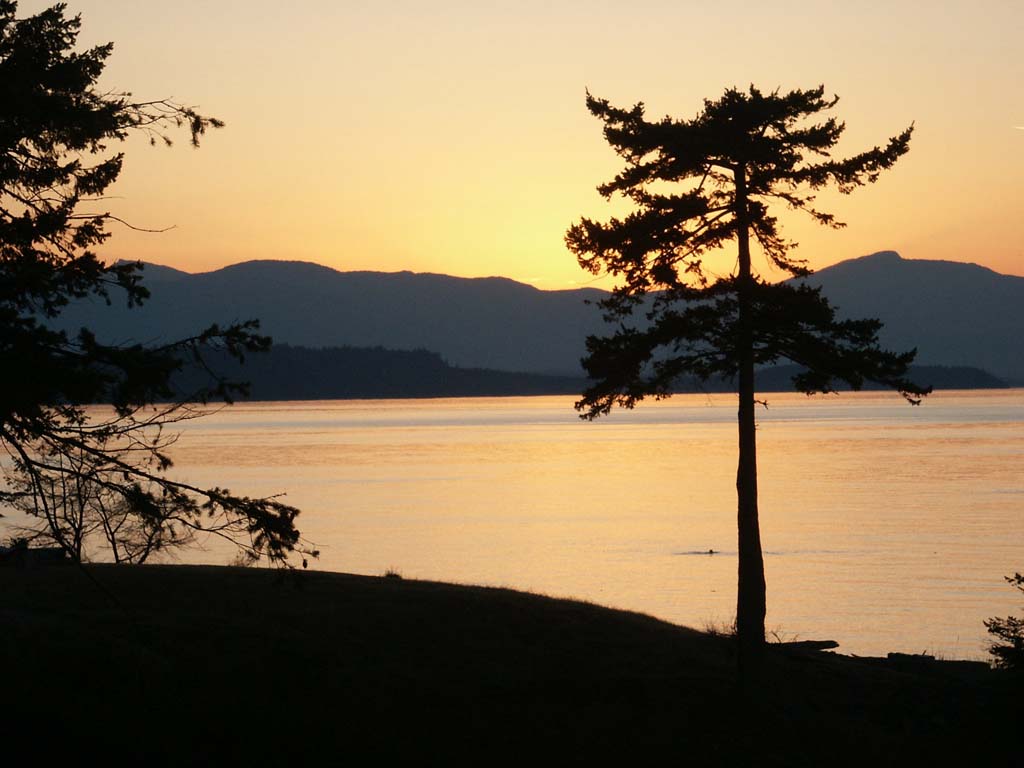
(200, 665)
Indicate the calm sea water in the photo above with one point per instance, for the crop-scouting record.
(885, 526)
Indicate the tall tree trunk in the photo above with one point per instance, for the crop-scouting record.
(750, 597)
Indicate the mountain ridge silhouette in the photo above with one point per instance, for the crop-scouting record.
(955, 314)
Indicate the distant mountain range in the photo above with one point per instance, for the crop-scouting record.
(490, 323)
(955, 314)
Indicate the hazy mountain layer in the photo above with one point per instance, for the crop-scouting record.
(955, 314)
(490, 323)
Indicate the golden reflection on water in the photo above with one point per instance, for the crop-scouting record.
(885, 527)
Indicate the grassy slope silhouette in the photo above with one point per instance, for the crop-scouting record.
(207, 664)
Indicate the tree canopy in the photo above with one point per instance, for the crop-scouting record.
(687, 179)
(697, 185)
(55, 168)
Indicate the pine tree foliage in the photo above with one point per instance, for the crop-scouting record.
(56, 128)
(687, 180)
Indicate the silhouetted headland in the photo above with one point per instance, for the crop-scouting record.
(299, 373)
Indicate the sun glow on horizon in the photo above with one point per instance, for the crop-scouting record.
(456, 140)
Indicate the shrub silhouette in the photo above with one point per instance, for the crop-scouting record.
(1008, 650)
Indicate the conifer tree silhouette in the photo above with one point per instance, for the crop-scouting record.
(55, 126)
(698, 185)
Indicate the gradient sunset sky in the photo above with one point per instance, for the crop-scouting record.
(451, 136)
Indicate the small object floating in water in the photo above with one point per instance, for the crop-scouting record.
(699, 552)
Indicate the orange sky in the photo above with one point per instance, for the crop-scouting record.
(451, 135)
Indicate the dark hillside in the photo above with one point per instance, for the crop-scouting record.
(202, 665)
(299, 373)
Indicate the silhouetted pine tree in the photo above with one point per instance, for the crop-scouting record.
(697, 185)
(65, 469)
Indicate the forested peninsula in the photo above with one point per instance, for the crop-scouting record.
(289, 372)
